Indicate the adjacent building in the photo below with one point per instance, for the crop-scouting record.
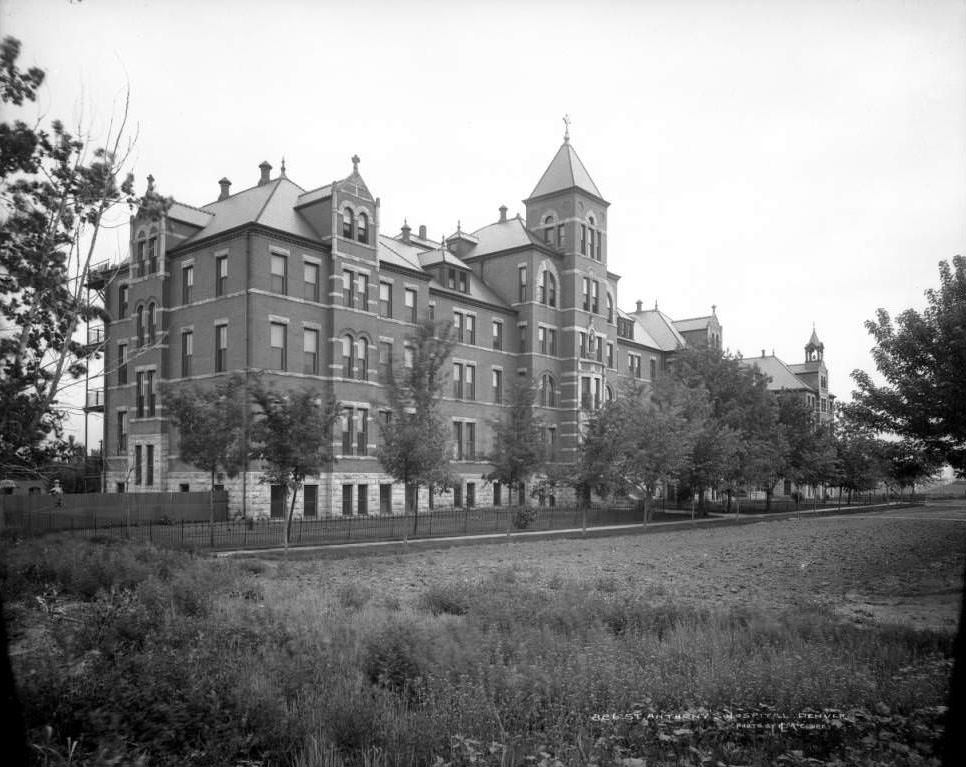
(306, 287)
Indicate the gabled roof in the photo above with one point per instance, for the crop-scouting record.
(565, 172)
(272, 204)
(661, 329)
(398, 253)
(502, 235)
(694, 323)
(440, 256)
(780, 374)
(190, 215)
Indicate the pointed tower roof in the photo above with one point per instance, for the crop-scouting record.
(565, 172)
(813, 341)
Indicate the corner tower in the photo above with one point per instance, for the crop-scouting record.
(566, 209)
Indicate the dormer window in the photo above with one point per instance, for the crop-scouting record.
(362, 229)
(347, 221)
(463, 283)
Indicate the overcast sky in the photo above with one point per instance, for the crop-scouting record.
(790, 162)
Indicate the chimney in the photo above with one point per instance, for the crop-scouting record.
(225, 185)
(763, 354)
(265, 169)
(422, 231)
(503, 214)
(405, 231)
(640, 306)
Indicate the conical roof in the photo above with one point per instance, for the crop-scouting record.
(813, 341)
(565, 172)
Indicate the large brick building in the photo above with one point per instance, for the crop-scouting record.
(305, 286)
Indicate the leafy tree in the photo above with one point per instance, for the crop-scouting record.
(211, 427)
(55, 193)
(923, 360)
(860, 459)
(415, 440)
(811, 456)
(292, 433)
(519, 451)
(908, 463)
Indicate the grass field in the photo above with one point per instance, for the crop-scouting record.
(819, 641)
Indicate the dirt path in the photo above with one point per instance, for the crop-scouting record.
(902, 566)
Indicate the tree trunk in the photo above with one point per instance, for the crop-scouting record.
(768, 493)
(291, 513)
(414, 502)
(728, 508)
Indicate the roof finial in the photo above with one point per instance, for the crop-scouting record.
(283, 165)
(459, 226)
(355, 163)
(714, 308)
(150, 183)
(566, 119)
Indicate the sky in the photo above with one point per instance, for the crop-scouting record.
(789, 162)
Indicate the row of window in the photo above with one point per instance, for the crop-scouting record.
(355, 227)
(386, 303)
(591, 238)
(146, 253)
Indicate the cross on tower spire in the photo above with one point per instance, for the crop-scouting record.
(355, 163)
(566, 119)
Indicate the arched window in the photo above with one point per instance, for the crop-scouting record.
(548, 393)
(610, 308)
(362, 228)
(139, 314)
(609, 393)
(347, 345)
(548, 230)
(548, 289)
(152, 322)
(362, 359)
(347, 221)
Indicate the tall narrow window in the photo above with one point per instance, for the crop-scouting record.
(470, 452)
(385, 360)
(561, 237)
(610, 308)
(363, 500)
(187, 283)
(152, 323)
(310, 279)
(310, 494)
(410, 301)
(279, 274)
(362, 228)
(121, 364)
(586, 283)
(458, 440)
(653, 369)
(552, 342)
(347, 221)
(348, 432)
(497, 334)
(457, 380)
(277, 345)
(348, 280)
(498, 386)
(141, 254)
(458, 326)
(187, 352)
(122, 301)
(464, 283)
(385, 299)
(139, 394)
(470, 382)
(593, 242)
(408, 356)
(137, 464)
(522, 280)
(310, 351)
(362, 431)
(149, 467)
(347, 350)
(221, 275)
(152, 395)
(362, 291)
(523, 337)
(600, 244)
(542, 339)
(583, 239)
(610, 355)
(221, 348)
(548, 230)
(595, 303)
(139, 325)
(153, 255)
(347, 500)
(583, 344)
(362, 359)
(470, 329)
(550, 289)
(121, 432)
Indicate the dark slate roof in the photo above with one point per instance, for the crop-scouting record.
(780, 374)
(194, 216)
(694, 323)
(502, 235)
(565, 172)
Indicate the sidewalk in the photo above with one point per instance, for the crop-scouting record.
(713, 520)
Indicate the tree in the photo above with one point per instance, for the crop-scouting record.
(923, 360)
(211, 428)
(810, 459)
(519, 451)
(907, 463)
(415, 447)
(859, 459)
(292, 433)
(55, 194)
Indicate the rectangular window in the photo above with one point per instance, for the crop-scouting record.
(348, 280)
(464, 283)
(600, 243)
(310, 501)
(497, 493)
(278, 345)
(149, 467)
(310, 280)
(363, 505)
(152, 395)
(121, 364)
(310, 351)
(497, 334)
(596, 394)
(470, 329)
(583, 344)
(187, 283)
(552, 341)
(458, 380)
(653, 369)
(221, 275)
(385, 299)
(561, 237)
(586, 304)
(432, 317)
(139, 394)
(458, 440)
(522, 276)
(523, 338)
(599, 346)
(451, 279)
(610, 355)
(470, 451)
(458, 496)
(470, 389)
(408, 356)
(221, 348)
(470, 495)
(137, 464)
(362, 431)
(595, 303)
(347, 500)
(585, 400)
(593, 233)
(187, 351)
(362, 291)
(552, 443)
(122, 301)
(385, 498)
(583, 239)
(542, 339)
(385, 359)
(347, 431)
(153, 258)
(458, 320)
(410, 301)
(498, 386)
(121, 432)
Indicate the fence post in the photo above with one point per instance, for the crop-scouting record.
(182, 530)
(583, 524)
(466, 520)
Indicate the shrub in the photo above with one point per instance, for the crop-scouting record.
(523, 517)
(352, 596)
(448, 598)
(393, 657)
